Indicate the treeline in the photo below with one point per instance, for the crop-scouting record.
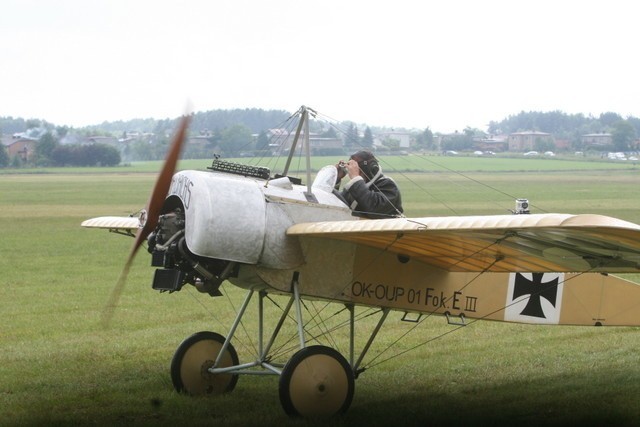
(49, 152)
(558, 123)
(229, 130)
(85, 155)
(255, 119)
(562, 125)
(231, 133)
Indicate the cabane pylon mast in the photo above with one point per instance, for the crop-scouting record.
(304, 122)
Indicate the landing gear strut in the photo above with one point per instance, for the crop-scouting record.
(316, 381)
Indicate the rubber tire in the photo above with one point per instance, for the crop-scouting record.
(194, 356)
(317, 381)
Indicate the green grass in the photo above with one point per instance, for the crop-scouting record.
(429, 162)
(59, 367)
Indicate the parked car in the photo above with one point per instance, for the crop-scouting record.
(616, 156)
(531, 153)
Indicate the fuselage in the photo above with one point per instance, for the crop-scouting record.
(229, 227)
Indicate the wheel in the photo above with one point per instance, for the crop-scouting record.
(191, 361)
(317, 381)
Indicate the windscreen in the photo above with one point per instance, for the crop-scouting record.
(326, 178)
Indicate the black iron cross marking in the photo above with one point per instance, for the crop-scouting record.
(536, 289)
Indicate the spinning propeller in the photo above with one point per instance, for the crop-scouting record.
(154, 206)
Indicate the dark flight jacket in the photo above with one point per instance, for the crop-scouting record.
(380, 200)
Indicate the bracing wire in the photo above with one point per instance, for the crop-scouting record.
(458, 327)
(465, 176)
(280, 139)
(436, 164)
(211, 313)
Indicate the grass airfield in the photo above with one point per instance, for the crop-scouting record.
(58, 366)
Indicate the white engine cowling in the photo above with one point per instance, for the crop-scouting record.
(226, 217)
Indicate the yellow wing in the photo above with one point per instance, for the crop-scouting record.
(118, 224)
(500, 243)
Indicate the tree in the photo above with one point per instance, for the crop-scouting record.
(85, 155)
(329, 133)
(544, 144)
(459, 141)
(351, 137)
(635, 122)
(560, 124)
(235, 139)
(44, 148)
(9, 125)
(103, 155)
(62, 155)
(33, 123)
(623, 135)
(494, 127)
(141, 150)
(4, 157)
(391, 143)
(16, 162)
(470, 132)
(367, 139)
(262, 143)
(62, 131)
(609, 119)
(214, 140)
(424, 140)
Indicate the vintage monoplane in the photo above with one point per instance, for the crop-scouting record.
(272, 235)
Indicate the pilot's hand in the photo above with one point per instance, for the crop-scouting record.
(341, 166)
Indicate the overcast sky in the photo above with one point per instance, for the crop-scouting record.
(439, 64)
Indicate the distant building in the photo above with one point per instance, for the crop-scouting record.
(596, 140)
(403, 138)
(198, 139)
(19, 146)
(563, 144)
(494, 143)
(282, 139)
(526, 141)
(109, 140)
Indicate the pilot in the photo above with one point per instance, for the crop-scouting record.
(368, 193)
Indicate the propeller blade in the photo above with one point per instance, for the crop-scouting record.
(163, 182)
(154, 206)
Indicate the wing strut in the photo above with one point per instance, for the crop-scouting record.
(356, 370)
(296, 296)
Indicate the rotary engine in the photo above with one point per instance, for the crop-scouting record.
(169, 250)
